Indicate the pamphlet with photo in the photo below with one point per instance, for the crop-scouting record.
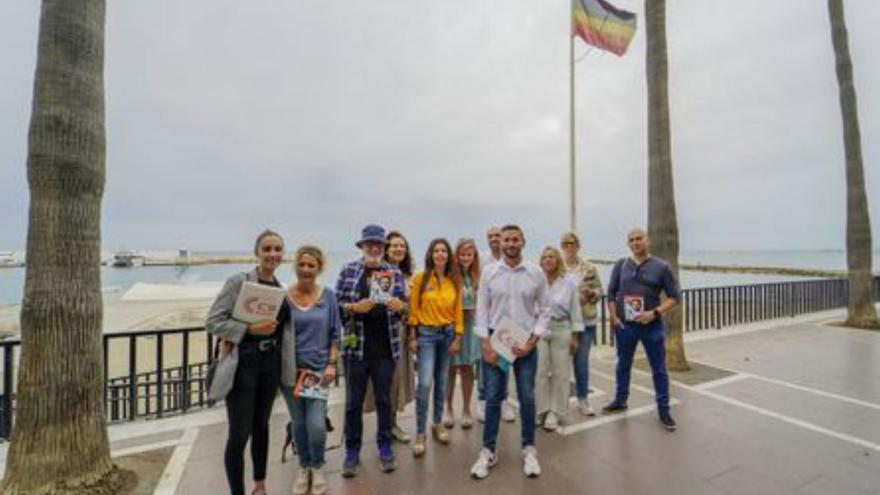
(633, 306)
(257, 302)
(309, 386)
(380, 287)
(507, 336)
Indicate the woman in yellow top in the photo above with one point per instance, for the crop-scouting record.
(436, 314)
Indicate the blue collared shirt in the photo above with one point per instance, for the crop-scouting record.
(647, 281)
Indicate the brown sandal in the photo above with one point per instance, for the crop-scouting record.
(418, 447)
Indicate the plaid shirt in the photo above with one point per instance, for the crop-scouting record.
(353, 325)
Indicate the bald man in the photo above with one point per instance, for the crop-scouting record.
(637, 316)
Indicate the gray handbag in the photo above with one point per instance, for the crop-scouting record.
(221, 375)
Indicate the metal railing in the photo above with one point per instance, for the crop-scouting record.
(714, 308)
(155, 373)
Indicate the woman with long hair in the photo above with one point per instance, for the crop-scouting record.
(316, 329)
(265, 360)
(436, 312)
(467, 257)
(556, 348)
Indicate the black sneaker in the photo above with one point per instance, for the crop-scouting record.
(351, 464)
(667, 421)
(614, 407)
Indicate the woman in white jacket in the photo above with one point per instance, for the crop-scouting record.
(555, 349)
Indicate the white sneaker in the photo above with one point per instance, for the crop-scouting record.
(481, 411)
(301, 485)
(507, 412)
(531, 468)
(319, 482)
(585, 408)
(551, 422)
(485, 462)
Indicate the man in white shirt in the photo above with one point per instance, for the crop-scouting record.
(492, 256)
(513, 290)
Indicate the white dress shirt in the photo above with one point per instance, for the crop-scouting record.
(518, 293)
(564, 303)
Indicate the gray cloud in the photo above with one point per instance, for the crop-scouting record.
(443, 117)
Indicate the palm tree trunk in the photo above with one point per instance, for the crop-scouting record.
(662, 221)
(860, 309)
(59, 441)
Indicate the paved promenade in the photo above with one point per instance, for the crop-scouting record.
(790, 407)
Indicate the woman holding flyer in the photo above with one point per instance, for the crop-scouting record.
(555, 350)
(317, 328)
(436, 312)
(468, 258)
(253, 325)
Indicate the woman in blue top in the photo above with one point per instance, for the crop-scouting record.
(317, 328)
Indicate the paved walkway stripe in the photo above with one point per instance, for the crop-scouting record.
(775, 415)
(176, 464)
(722, 381)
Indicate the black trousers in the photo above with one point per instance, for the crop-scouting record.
(248, 408)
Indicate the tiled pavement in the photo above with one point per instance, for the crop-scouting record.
(799, 413)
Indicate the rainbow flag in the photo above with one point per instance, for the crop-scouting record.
(603, 25)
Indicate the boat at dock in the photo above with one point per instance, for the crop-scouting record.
(127, 259)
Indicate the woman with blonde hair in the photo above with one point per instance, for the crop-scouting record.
(555, 350)
(316, 329)
(586, 275)
(467, 257)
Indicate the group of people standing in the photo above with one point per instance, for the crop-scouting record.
(404, 335)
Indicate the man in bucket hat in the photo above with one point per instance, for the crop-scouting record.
(370, 344)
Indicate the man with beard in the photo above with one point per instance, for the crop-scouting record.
(371, 345)
(512, 290)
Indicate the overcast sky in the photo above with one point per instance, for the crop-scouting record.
(440, 118)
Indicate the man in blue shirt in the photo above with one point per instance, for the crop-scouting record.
(637, 315)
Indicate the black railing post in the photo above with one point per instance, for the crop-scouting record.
(132, 378)
(8, 393)
(160, 383)
(185, 371)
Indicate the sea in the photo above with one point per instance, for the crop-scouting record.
(119, 280)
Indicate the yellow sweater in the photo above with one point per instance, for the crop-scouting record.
(439, 305)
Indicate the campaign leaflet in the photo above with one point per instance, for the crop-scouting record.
(633, 306)
(309, 386)
(507, 336)
(380, 287)
(257, 302)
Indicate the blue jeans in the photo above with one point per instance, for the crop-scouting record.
(357, 372)
(651, 336)
(581, 362)
(432, 364)
(524, 370)
(481, 382)
(309, 428)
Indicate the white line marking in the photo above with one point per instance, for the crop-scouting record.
(145, 448)
(722, 381)
(787, 419)
(632, 386)
(775, 415)
(176, 464)
(814, 391)
(611, 418)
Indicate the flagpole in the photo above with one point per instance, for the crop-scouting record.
(571, 126)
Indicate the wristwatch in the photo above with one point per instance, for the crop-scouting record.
(657, 313)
